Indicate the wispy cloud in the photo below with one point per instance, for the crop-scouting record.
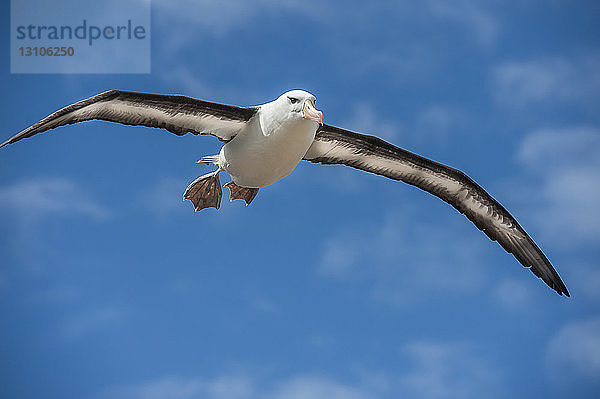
(574, 352)
(236, 387)
(46, 197)
(436, 119)
(26, 207)
(164, 197)
(59, 295)
(585, 277)
(565, 166)
(318, 388)
(514, 294)
(475, 15)
(92, 320)
(224, 387)
(401, 249)
(212, 16)
(549, 79)
(364, 119)
(438, 124)
(184, 22)
(434, 371)
(264, 305)
(182, 80)
(559, 191)
(443, 370)
(220, 18)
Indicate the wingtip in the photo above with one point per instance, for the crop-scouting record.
(5, 143)
(560, 288)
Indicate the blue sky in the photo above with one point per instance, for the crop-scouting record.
(334, 283)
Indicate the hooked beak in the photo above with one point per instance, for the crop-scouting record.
(311, 113)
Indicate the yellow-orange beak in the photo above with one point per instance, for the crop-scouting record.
(311, 113)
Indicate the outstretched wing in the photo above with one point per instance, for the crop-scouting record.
(175, 113)
(333, 145)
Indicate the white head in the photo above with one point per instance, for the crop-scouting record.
(295, 105)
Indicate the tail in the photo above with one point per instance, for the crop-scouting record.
(210, 159)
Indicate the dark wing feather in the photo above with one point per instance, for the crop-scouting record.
(333, 145)
(175, 113)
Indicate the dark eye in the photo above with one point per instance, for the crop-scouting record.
(293, 100)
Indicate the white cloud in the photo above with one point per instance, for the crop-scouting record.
(174, 387)
(92, 320)
(164, 197)
(519, 83)
(399, 250)
(35, 199)
(220, 18)
(585, 278)
(182, 80)
(315, 387)
(27, 206)
(187, 20)
(436, 119)
(574, 352)
(514, 294)
(559, 190)
(212, 16)
(443, 370)
(362, 119)
(264, 305)
(340, 258)
(184, 22)
(548, 147)
(322, 341)
(237, 387)
(565, 164)
(58, 295)
(475, 15)
(365, 120)
(437, 124)
(434, 371)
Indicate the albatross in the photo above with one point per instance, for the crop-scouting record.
(263, 144)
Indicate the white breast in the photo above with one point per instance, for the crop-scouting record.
(258, 156)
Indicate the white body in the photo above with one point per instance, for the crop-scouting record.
(271, 146)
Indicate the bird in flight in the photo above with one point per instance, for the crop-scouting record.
(263, 144)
